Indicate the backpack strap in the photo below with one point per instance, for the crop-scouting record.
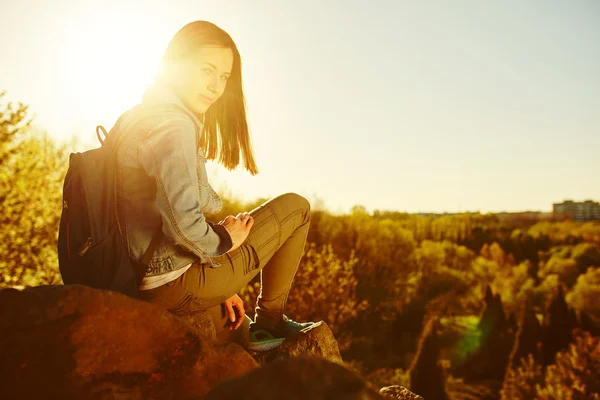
(152, 247)
(139, 270)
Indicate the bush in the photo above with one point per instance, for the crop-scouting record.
(325, 288)
(521, 383)
(576, 374)
(32, 170)
(586, 292)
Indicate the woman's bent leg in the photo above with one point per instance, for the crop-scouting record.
(274, 247)
(279, 240)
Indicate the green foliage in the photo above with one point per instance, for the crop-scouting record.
(325, 288)
(564, 268)
(32, 169)
(559, 323)
(490, 347)
(528, 337)
(514, 285)
(384, 252)
(426, 375)
(521, 383)
(544, 291)
(568, 262)
(586, 293)
(567, 232)
(575, 375)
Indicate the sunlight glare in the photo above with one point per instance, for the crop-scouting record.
(109, 65)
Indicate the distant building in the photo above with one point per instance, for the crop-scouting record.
(578, 211)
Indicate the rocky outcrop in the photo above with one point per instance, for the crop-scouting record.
(77, 342)
(72, 342)
(296, 378)
(317, 342)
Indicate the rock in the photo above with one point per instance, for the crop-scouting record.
(77, 342)
(317, 342)
(240, 336)
(299, 378)
(213, 323)
(220, 321)
(202, 321)
(399, 392)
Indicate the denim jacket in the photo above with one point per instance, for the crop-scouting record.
(162, 181)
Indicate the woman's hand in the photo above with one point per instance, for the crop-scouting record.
(238, 228)
(233, 304)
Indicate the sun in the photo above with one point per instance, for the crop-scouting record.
(108, 65)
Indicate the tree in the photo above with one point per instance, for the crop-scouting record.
(426, 376)
(527, 338)
(588, 324)
(576, 374)
(490, 356)
(559, 323)
(585, 293)
(32, 169)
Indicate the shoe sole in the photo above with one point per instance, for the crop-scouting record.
(311, 327)
(265, 346)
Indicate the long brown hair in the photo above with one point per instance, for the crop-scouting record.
(225, 121)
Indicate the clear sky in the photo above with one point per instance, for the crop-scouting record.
(394, 105)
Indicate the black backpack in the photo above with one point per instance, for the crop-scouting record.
(91, 248)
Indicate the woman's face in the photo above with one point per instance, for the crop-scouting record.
(203, 77)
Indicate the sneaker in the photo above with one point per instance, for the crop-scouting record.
(264, 339)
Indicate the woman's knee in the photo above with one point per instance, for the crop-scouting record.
(293, 202)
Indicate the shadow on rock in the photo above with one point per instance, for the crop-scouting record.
(300, 378)
(77, 342)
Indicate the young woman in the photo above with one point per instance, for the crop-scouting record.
(195, 111)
